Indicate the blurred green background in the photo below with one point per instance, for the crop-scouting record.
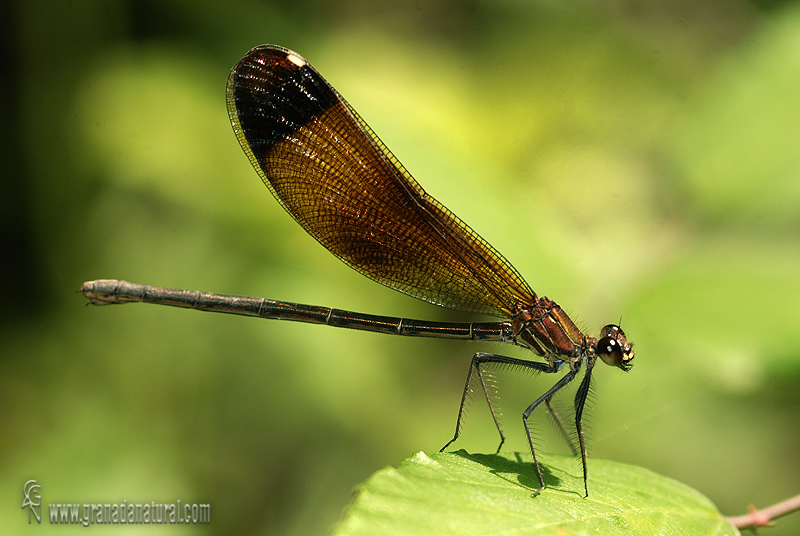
(634, 160)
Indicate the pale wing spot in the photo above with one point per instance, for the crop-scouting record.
(297, 60)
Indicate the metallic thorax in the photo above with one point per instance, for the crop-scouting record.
(548, 331)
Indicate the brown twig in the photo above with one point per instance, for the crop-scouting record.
(763, 518)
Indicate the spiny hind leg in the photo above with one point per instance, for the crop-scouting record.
(478, 368)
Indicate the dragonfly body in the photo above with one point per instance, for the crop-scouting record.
(335, 177)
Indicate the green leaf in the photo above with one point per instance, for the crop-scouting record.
(461, 494)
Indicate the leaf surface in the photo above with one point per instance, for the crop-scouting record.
(462, 494)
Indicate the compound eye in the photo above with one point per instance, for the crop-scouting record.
(609, 351)
(613, 347)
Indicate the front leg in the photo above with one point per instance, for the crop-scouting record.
(580, 403)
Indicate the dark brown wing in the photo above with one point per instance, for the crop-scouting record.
(337, 179)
